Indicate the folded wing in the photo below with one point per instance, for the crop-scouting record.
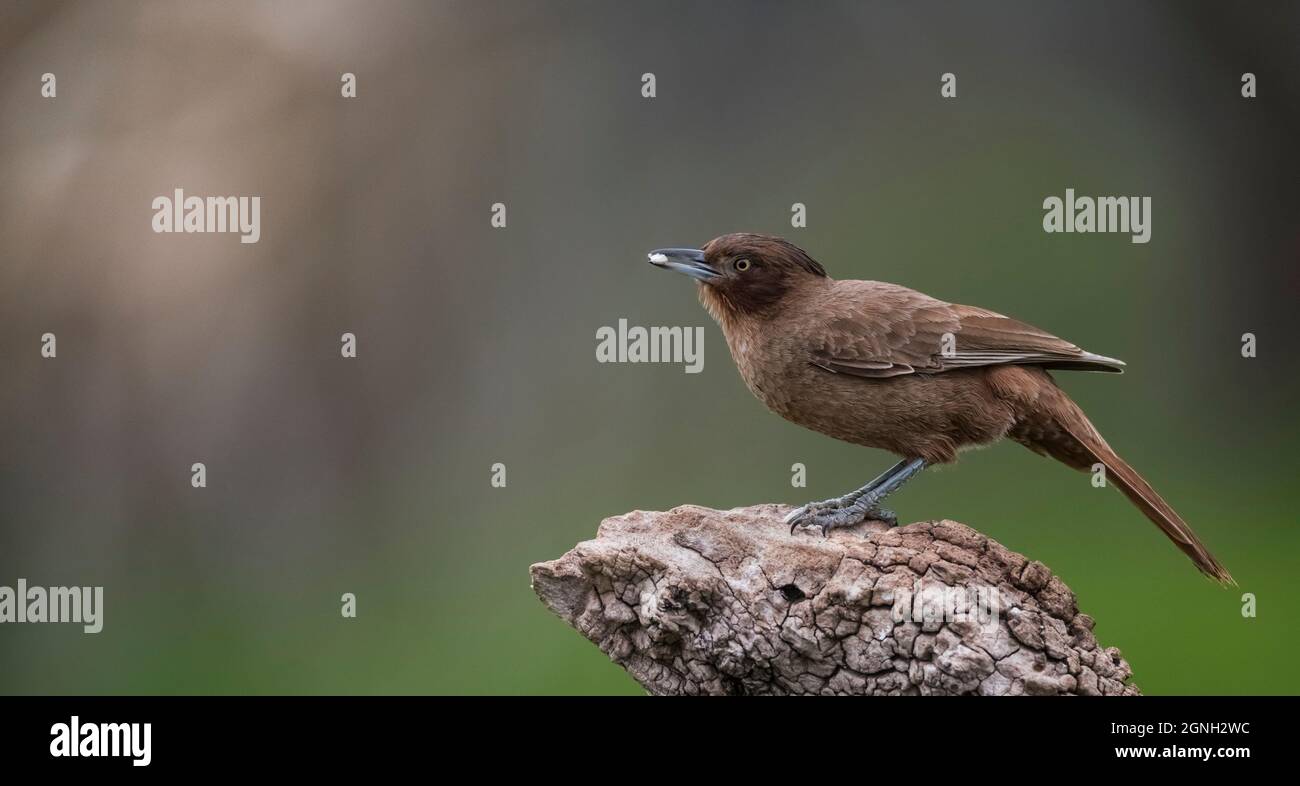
(888, 331)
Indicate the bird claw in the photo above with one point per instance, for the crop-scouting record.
(827, 518)
(794, 517)
(809, 515)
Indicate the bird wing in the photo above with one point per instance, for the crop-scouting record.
(878, 330)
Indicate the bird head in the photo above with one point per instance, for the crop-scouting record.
(742, 274)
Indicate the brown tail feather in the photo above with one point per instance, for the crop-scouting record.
(1089, 445)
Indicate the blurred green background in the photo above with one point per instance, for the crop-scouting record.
(477, 345)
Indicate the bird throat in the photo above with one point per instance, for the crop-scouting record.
(719, 306)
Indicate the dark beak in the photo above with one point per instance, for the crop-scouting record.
(684, 260)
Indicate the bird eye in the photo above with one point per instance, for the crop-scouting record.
(742, 265)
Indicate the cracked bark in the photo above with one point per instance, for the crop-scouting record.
(700, 601)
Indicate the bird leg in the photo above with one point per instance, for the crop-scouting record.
(859, 505)
(839, 503)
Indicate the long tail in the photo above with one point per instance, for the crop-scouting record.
(1074, 441)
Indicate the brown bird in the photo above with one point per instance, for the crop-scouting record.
(888, 367)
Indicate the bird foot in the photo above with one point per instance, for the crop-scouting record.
(835, 514)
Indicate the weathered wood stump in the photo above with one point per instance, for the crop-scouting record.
(700, 601)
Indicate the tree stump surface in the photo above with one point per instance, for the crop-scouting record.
(700, 601)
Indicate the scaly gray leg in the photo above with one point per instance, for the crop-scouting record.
(859, 505)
